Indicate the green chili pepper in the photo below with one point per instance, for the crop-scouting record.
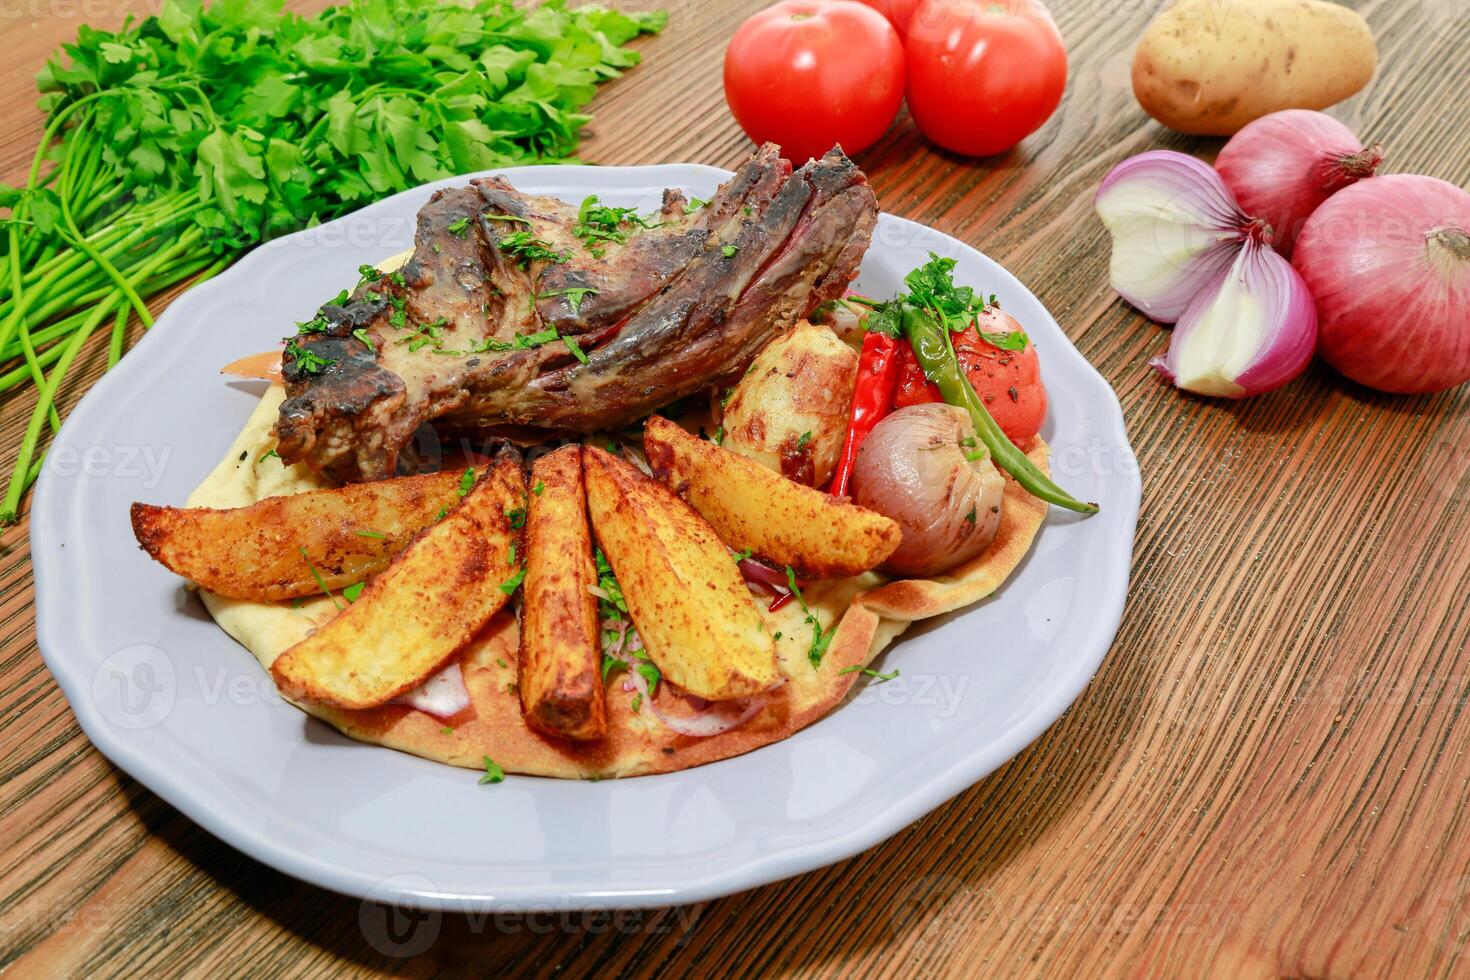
(936, 357)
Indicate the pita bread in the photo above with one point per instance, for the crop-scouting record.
(873, 612)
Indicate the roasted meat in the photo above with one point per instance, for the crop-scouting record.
(527, 315)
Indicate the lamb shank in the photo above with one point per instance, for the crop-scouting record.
(526, 316)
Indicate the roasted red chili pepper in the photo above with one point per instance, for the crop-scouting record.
(872, 398)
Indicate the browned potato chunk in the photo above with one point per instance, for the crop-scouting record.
(750, 507)
(789, 413)
(692, 609)
(411, 620)
(561, 657)
(266, 551)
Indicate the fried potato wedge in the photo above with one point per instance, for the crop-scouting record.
(691, 607)
(267, 551)
(410, 620)
(561, 655)
(749, 506)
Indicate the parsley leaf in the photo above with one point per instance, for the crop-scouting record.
(493, 772)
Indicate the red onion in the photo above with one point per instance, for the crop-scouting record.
(1283, 166)
(710, 717)
(443, 695)
(1388, 260)
(1175, 227)
(924, 467)
(1249, 331)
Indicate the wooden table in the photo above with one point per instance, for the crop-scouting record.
(1267, 775)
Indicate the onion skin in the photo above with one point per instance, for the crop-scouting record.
(1388, 261)
(1283, 166)
(1259, 292)
(912, 468)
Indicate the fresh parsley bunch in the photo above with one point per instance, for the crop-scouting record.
(180, 140)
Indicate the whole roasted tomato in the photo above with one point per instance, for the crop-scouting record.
(808, 74)
(983, 74)
(1001, 363)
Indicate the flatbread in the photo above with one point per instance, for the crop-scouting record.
(874, 611)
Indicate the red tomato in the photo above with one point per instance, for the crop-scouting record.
(1007, 381)
(808, 74)
(900, 13)
(983, 74)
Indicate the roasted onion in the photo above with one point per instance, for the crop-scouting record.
(924, 467)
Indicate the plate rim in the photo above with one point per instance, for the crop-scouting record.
(814, 851)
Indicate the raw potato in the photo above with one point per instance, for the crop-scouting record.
(750, 507)
(1211, 66)
(789, 413)
(561, 657)
(411, 620)
(256, 552)
(692, 609)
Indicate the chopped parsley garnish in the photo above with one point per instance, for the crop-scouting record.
(505, 217)
(398, 319)
(805, 438)
(517, 517)
(527, 248)
(337, 300)
(317, 324)
(493, 772)
(574, 294)
(820, 639)
(598, 223)
(869, 672)
(459, 228)
(1015, 340)
(651, 675)
(307, 360)
(719, 436)
(267, 455)
(321, 583)
(931, 286)
(446, 730)
(466, 481)
(510, 585)
(576, 350)
(539, 487)
(614, 607)
(367, 274)
(397, 279)
(353, 591)
(694, 205)
(365, 533)
(362, 335)
(975, 455)
(510, 554)
(729, 251)
(971, 515)
(637, 705)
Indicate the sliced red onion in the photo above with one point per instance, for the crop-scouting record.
(443, 695)
(710, 718)
(1175, 227)
(1249, 331)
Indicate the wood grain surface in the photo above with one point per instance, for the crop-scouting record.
(1266, 777)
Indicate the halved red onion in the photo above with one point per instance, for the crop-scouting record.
(1249, 331)
(443, 695)
(1175, 227)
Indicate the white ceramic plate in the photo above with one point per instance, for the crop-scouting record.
(168, 697)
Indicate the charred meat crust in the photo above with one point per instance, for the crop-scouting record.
(674, 309)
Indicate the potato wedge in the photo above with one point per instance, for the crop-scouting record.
(785, 523)
(691, 608)
(561, 654)
(789, 413)
(256, 552)
(414, 617)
